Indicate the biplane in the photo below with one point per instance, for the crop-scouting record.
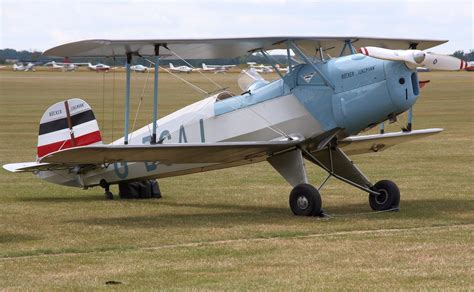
(335, 89)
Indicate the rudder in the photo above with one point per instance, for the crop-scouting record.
(67, 124)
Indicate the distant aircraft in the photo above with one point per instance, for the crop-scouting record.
(21, 67)
(98, 67)
(284, 69)
(261, 68)
(62, 66)
(139, 68)
(470, 66)
(180, 69)
(216, 68)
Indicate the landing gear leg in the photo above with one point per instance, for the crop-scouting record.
(384, 195)
(108, 194)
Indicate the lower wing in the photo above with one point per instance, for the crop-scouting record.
(354, 145)
(219, 153)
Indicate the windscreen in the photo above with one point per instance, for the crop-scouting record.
(248, 77)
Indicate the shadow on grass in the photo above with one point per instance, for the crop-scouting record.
(185, 215)
(15, 238)
(63, 199)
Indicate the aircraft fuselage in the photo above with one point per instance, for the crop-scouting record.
(366, 92)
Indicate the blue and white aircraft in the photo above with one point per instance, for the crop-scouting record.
(313, 113)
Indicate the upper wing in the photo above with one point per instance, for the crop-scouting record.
(226, 47)
(223, 152)
(373, 143)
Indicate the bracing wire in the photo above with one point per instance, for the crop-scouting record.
(269, 125)
(202, 74)
(200, 90)
(139, 104)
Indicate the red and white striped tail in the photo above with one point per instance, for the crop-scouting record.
(66, 124)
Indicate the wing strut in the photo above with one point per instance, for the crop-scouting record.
(155, 94)
(303, 56)
(127, 97)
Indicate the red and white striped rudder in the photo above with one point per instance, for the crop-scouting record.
(66, 124)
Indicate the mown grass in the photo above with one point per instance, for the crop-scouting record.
(232, 229)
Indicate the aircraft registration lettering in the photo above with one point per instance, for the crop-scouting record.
(124, 165)
(151, 166)
(182, 135)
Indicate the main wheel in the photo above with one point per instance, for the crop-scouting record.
(388, 198)
(305, 200)
(109, 195)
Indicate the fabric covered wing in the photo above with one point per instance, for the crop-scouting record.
(226, 47)
(224, 152)
(374, 143)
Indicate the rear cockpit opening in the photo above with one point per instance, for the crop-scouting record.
(224, 95)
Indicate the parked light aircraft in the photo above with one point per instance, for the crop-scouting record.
(21, 67)
(262, 68)
(180, 69)
(139, 68)
(98, 67)
(216, 68)
(314, 113)
(62, 66)
(470, 66)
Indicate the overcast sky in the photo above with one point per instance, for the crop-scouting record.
(42, 24)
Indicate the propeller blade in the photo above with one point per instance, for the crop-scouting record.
(411, 56)
(416, 58)
(443, 62)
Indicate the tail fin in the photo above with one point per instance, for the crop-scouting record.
(66, 124)
(171, 65)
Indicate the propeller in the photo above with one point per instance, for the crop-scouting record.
(416, 58)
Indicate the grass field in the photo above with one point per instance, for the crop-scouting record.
(232, 229)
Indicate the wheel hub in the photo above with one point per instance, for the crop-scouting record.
(382, 197)
(302, 202)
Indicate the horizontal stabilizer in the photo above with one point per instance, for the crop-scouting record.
(222, 152)
(373, 143)
(26, 166)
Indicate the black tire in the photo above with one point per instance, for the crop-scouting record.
(389, 197)
(305, 200)
(109, 195)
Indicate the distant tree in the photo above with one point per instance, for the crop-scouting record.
(459, 54)
(469, 56)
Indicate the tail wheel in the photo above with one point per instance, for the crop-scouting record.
(388, 198)
(305, 200)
